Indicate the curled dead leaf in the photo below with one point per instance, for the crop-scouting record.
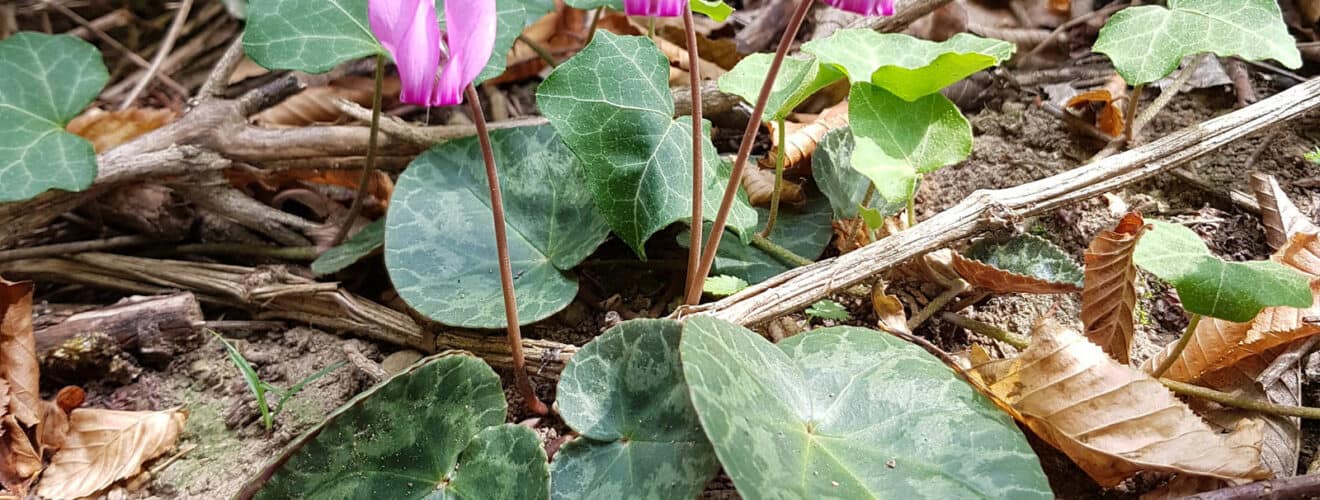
(802, 139)
(1278, 213)
(1100, 103)
(18, 354)
(1113, 420)
(104, 446)
(107, 129)
(1109, 294)
(317, 104)
(991, 278)
(760, 186)
(888, 310)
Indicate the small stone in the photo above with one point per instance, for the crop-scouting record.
(400, 361)
(891, 463)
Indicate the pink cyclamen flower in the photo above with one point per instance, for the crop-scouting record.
(864, 7)
(410, 31)
(654, 8)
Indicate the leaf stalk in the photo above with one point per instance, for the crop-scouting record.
(694, 283)
(779, 181)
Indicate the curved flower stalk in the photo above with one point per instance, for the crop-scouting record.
(410, 32)
(865, 7)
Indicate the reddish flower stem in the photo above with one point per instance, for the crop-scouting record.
(520, 379)
(368, 171)
(745, 149)
(694, 283)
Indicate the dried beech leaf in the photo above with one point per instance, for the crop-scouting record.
(19, 462)
(107, 129)
(53, 429)
(1026, 264)
(561, 33)
(760, 186)
(104, 446)
(1218, 343)
(1109, 293)
(888, 310)
(1108, 117)
(1113, 420)
(803, 139)
(18, 351)
(1282, 443)
(1280, 216)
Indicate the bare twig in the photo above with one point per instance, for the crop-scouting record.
(1165, 97)
(217, 80)
(1070, 24)
(986, 209)
(171, 36)
(109, 40)
(60, 249)
(1285, 488)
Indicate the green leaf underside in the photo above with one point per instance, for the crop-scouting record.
(1030, 256)
(48, 80)
(316, 35)
(611, 104)
(1210, 286)
(440, 244)
(844, 186)
(804, 230)
(1146, 43)
(723, 286)
(895, 140)
(905, 66)
(362, 244)
(846, 412)
(624, 393)
(433, 431)
(714, 9)
(798, 80)
(828, 309)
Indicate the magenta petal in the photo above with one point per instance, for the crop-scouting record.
(410, 32)
(471, 39)
(654, 8)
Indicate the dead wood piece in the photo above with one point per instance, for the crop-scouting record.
(988, 209)
(154, 327)
(544, 358)
(770, 22)
(1298, 487)
(146, 209)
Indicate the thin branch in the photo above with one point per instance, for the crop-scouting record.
(1165, 97)
(61, 249)
(109, 40)
(218, 79)
(165, 46)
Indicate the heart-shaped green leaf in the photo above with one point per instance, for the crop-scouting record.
(804, 230)
(897, 140)
(367, 240)
(828, 309)
(1147, 42)
(908, 67)
(612, 105)
(439, 246)
(430, 432)
(1210, 286)
(723, 286)
(624, 393)
(846, 412)
(714, 9)
(798, 79)
(48, 80)
(316, 35)
(843, 185)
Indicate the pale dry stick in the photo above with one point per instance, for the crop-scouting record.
(745, 149)
(166, 45)
(988, 209)
(109, 40)
(514, 332)
(693, 283)
(218, 79)
(59, 249)
(934, 306)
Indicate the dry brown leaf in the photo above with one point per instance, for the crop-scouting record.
(1217, 343)
(1310, 9)
(1282, 443)
(803, 139)
(105, 446)
(760, 186)
(988, 277)
(1108, 117)
(382, 187)
(561, 33)
(18, 351)
(19, 462)
(53, 430)
(1113, 420)
(1109, 293)
(1061, 7)
(888, 310)
(1278, 213)
(317, 104)
(107, 129)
